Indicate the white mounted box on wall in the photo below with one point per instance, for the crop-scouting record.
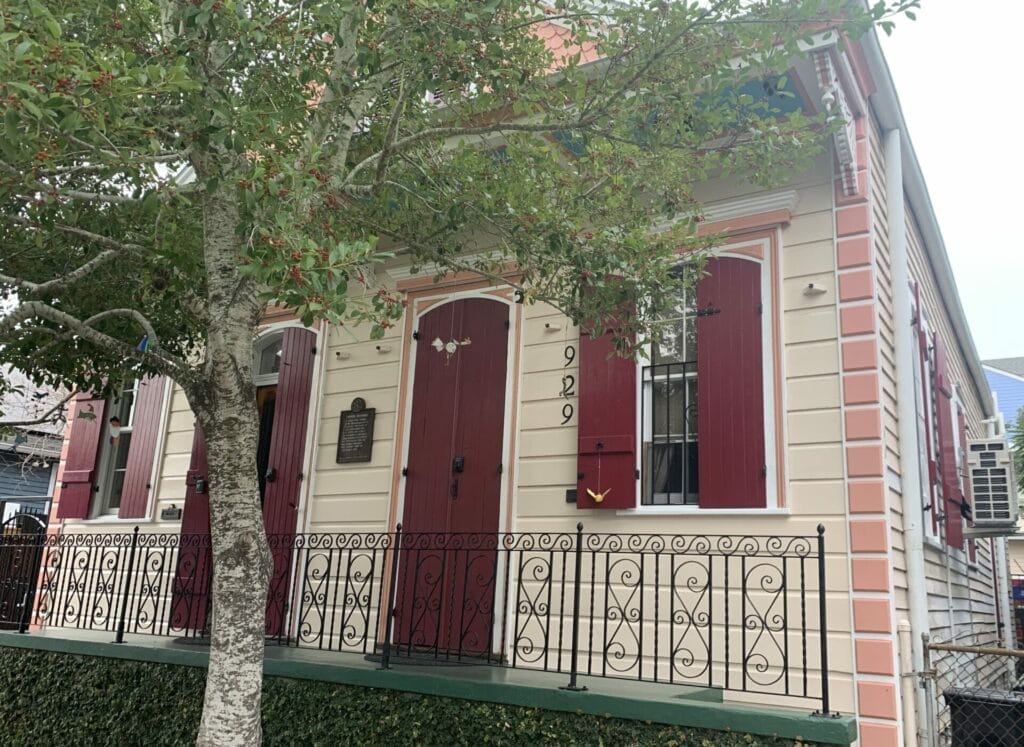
(993, 488)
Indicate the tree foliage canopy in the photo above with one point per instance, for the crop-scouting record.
(339, 132)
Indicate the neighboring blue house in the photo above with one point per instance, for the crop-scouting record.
(28, 454)
(1006, 379)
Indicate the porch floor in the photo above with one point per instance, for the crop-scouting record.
(644, 701)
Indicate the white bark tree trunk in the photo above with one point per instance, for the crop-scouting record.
(226, 408)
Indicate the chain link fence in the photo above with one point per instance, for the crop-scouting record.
(976, 695)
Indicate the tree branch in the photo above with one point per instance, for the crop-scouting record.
(171, 364)
(44, 418)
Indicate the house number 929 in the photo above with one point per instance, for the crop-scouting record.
(568, 384)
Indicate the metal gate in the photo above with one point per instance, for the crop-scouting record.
(21, 548)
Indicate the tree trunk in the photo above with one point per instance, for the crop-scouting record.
(226, 407)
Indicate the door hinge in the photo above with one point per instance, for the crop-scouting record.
(300, 477)
(416, 335)
(508, 325)
(638, 474)
(405, 471)
(760, 308)
(501, 469)
(313, 350)
(764, 470)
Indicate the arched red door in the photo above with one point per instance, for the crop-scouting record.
(446, 582)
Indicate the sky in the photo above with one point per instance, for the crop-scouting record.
(956, 74)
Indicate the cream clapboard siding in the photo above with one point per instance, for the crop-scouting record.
(960, 595)
(356, 497)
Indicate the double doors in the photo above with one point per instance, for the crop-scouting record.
(448, 560)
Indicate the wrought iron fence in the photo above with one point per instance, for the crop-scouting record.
(976, 693)
(740, 613)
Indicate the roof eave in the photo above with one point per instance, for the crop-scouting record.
(886, 105)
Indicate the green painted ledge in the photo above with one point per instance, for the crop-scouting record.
(643, 701)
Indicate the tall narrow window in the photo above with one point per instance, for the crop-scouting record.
(669, 414)
(118, 440)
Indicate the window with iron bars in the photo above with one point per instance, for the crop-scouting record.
(669, 413)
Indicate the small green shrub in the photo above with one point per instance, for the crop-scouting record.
(52, 698)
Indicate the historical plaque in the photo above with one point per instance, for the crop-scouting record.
(170, 514)
(355, 434)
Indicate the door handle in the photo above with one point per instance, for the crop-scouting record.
(458, 464)
(454, 489)
(271, 474)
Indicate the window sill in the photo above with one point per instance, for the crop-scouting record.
(111, 519)
(698, 511)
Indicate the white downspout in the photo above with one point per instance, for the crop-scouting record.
(910, 470)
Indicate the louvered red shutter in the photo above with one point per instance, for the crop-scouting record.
(149, 400)
(965, 480)
(284, 464)
(79, 476)
(606, 456)
(288, 439)
(948, 473)
(730, 394)
(191, 589)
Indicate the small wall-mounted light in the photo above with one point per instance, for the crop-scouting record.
(813, 289)
(383, 348)
(342, 355)
(552, 326)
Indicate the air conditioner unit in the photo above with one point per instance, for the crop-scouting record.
(994, 490)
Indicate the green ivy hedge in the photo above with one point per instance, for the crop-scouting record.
(52, 698)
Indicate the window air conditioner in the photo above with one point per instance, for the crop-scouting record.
(993, 487)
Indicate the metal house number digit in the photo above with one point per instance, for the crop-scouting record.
(568, 384)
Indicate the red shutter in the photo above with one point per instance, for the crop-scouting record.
(288, 439)
(76, 488)
(730, 394)
(606, 457)
(191, 590)
(284, 464)
(965, 479)
(949, 476)
(149, 400)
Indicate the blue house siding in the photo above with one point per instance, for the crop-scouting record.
(17, 480)
(1009, 391)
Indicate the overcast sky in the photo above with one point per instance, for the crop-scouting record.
(956, 72)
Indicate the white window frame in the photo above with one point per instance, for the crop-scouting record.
(108, 451)
(268, 339)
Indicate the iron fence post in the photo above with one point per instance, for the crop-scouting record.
(26, 606)
(823, 622)
(127, 587)
(385, 660)
(573, 662)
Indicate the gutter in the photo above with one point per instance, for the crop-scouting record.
(887, 108)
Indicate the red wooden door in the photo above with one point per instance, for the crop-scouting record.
(445, 595)
(284, 467)
(730, 411)
(190, 598)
